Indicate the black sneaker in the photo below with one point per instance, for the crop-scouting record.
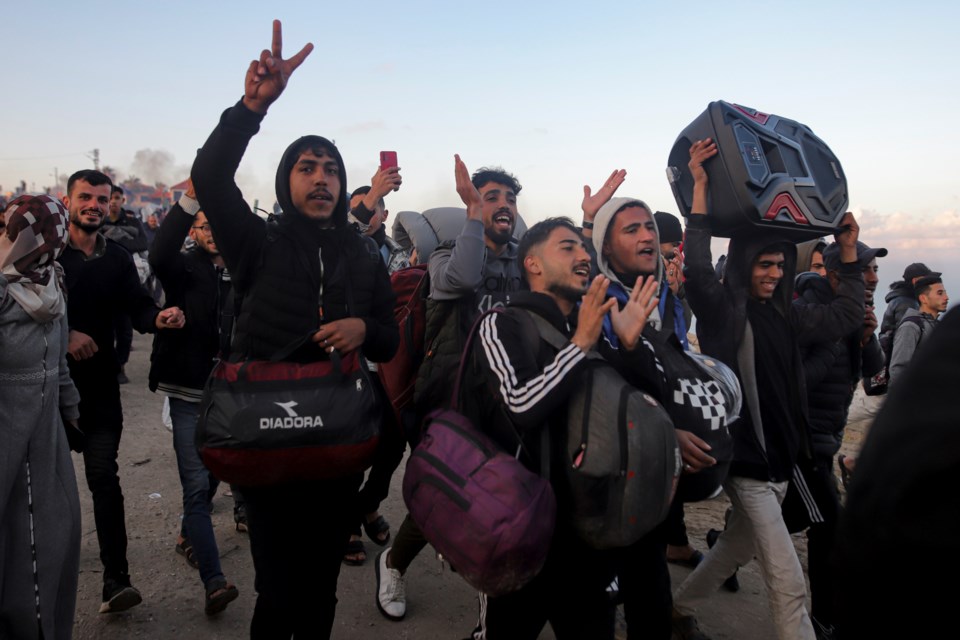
(118, 596)
(731, 584)
(122, 376)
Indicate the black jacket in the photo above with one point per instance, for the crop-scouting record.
(290, 270)
(722, 327)
(529, 381)
(98, 289)
(127, 231)
(903, 499)
(832, 369)
(193, 283)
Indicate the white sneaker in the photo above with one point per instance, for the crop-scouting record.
(391, 589)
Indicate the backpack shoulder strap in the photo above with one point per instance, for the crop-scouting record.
(551, 335)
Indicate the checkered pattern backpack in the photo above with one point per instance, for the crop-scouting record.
(703, 397)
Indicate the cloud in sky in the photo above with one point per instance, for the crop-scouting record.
(913, 233)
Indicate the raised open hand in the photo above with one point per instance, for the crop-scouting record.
(593, 201)
(593, 307)
(468, 193)
(628, 323)
(267, 77)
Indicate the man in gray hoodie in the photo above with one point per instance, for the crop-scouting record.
(475, 273)
(917, 324)
(625, 238)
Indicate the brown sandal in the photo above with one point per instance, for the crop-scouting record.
(185, 549)
(218, 596)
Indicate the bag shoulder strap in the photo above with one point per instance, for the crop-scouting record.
(461, 371)
(466, 353)
(552, 336)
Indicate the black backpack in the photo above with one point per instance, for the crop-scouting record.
(877, 385)
(620, 455)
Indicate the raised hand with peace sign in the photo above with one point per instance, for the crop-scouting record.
(267, 77)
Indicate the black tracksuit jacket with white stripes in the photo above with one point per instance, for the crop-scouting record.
(529, 380)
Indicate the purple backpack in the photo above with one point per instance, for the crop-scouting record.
(487, 514)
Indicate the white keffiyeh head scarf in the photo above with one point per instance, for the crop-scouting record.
(35, 234)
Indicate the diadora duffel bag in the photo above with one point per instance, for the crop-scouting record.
(265, 423)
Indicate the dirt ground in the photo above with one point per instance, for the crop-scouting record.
(440, 605)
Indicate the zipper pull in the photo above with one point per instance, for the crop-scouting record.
(359, 385)
(578, 459)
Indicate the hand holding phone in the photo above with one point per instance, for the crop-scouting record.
(388, 160)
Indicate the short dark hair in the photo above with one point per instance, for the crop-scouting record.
(484, 175)
(91, 176)
(537, 235)
(776, 247)
(314, 146)
(364, 190)
(116, 189)
(923, 285)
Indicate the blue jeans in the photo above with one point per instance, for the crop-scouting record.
(198, 486)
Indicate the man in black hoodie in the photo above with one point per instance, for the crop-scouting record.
(747, 322)
(308, 280)
(832, 370)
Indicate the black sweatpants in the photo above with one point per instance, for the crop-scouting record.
(569, 593)
(298, 533)
(101, 419)
(645, 586)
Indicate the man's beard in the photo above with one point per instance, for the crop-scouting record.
(500, 238)
(89, 228)
(86, 226)
(566, 292)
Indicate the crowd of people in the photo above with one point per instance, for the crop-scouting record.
(794, 323)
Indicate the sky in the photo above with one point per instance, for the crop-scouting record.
(558, 93)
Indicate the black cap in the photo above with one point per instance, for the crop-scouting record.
(918, 270)
(669, 227)
(831, 255)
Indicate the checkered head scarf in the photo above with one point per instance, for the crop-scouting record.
(35, 234)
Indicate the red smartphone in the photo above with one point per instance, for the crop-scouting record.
(388, 159)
